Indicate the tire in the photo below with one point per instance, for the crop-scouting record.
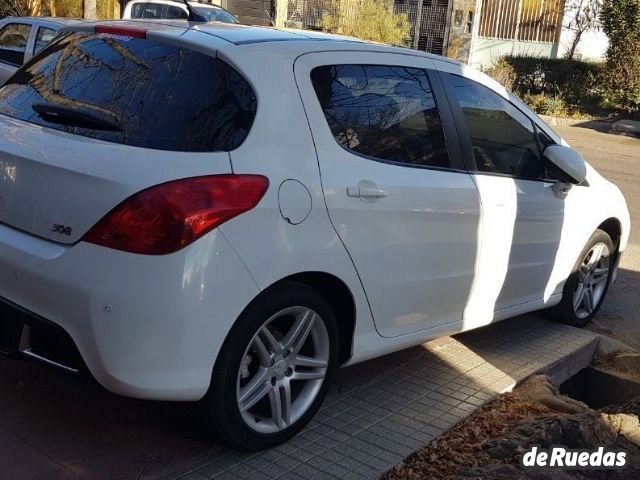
(571, 309)
(264, 353)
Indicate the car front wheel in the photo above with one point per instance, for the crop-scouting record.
(585, 290)
(273, 370)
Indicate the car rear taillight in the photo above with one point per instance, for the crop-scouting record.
(165, 218)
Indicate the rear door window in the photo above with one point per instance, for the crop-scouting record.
(45, 35)
(13, 43)
(384, 112)
(175, 12)
(134, 92)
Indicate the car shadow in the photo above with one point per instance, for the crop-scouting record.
(384, 409)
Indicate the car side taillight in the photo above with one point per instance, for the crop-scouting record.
(167, 217)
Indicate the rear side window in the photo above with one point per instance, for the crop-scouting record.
(134, 92)
(384, 112)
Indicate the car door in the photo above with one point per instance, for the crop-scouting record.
(14, 37)
(522, 210)
(394, 183)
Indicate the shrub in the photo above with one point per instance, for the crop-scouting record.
(621, 23)
(551, 86)
(372, 20)
(503, 72)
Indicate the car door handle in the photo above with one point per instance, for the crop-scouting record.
(366, 192)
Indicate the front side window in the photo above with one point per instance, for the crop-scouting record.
(383, 112)
(133, 91)
(13, 43)
(504, 139)
(45, 35)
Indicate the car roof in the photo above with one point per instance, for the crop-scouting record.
(219, 35)
(59, 20)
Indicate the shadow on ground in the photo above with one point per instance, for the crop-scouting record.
(57, 426)
(620, 313)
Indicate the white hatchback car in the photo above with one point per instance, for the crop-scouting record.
(224, 214)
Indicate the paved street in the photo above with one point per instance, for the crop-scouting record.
(617, 158)
(56, 426)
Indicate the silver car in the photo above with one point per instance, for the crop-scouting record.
(22, 37)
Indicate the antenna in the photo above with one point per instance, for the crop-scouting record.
(193, 16)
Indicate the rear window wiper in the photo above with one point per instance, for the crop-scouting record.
(76, 116)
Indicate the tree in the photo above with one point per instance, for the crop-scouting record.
(372, 20)
(90, 9)
(621, 22)
(20, 8)
(582, 16)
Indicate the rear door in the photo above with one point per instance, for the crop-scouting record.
(394, 183)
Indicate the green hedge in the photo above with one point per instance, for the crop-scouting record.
(573, 81)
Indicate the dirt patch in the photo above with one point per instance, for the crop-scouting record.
(490, 443)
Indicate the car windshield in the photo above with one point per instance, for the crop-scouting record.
(216, 14)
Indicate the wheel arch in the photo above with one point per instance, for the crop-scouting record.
(613, 227)
(338, 295)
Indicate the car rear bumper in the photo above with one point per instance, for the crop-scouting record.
(145, 326)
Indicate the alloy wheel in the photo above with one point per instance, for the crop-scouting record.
(282, 369)
(593, 275)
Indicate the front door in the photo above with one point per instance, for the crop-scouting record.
(394, 184)
(522, 210)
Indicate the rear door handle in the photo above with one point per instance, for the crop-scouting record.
(366, 192)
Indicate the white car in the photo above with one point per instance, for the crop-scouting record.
(23, 37)
(225, 214)
(175, 9)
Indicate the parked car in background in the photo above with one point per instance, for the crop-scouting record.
(23, 37)
(168, 10)
(226, 214)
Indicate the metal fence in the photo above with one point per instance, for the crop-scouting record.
(524, 20)
(428, 23)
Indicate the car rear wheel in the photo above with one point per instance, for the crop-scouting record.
(587, 286)
(273, 370)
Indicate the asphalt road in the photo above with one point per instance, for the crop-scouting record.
(618, 159)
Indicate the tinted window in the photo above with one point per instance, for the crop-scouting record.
(154, 95)
(216, 15)
(504, 140)
(45, 35)
(384, 112)
(148, 10)
(13, 42)
(176, 12)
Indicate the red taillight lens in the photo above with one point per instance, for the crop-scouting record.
(124, 31)
(168, 217)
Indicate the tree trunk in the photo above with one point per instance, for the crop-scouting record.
(90, 10)
(574, 45)
(34, 7)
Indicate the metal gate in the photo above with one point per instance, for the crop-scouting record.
(428, 23)
(428, 18)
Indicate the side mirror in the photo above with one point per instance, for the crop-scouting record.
(567, 162)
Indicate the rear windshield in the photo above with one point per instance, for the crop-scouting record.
(134, 92)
